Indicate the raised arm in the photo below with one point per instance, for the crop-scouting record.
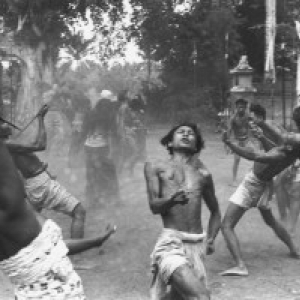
(40, 142)
(273, 132)
(214, 224)
(277, 154)
(265, 142)
(157, 203)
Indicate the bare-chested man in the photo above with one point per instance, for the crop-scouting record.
(254, 192)
(175, 189)
(41, 189)
(32, 252)
(239, 126)
(288, 182)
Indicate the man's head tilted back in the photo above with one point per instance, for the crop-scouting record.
(168, 140)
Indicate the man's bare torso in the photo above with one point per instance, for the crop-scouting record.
(18, 223)
(191, 178)
(267, 172)
(240, 127)
(28, 164)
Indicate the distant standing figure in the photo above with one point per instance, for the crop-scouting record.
(135, 135)
(76, 144)
(127, 134)
(238, 125)
(99, 125)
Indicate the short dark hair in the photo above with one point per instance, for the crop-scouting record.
(5, 130)
(169, 137)
(241, 101)
(296, 114)
(259, 110)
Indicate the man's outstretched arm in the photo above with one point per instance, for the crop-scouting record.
(80, 245)
(277, 154)
(276, 133)
(40, 142)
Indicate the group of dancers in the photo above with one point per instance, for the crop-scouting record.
(177, 186)
(34, 255)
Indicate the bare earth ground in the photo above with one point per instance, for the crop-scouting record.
(122, 270)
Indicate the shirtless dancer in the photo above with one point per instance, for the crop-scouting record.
(32, 252)
(41, 189)
(238, 125)
(288, 182)
(287, 192)
(175, 189)
(254, 192)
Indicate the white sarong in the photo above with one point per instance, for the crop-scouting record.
(44, 192)
(42, 270)
(253, 192)
(174, 249)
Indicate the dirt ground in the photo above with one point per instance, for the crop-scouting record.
(121, 270)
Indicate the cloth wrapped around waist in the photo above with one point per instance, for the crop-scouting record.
(42, 269)
(37, 181)
(253, 192)
(175, 248)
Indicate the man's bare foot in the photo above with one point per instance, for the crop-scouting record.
(236, 271)
(295, 254)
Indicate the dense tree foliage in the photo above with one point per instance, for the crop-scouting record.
(35, 31)
(190, 44)
(193, 42)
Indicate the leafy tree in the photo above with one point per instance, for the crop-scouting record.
(252, 31)
(189, 44)
(35, 30)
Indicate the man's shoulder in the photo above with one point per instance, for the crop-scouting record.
(158, 163)
(202, 167)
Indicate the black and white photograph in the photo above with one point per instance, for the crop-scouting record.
(149, 149)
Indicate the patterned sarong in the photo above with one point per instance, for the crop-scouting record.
(42, 270)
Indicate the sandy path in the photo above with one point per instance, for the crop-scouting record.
(122, 270)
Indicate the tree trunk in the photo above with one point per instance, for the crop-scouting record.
(298, 79)
(34, 73)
